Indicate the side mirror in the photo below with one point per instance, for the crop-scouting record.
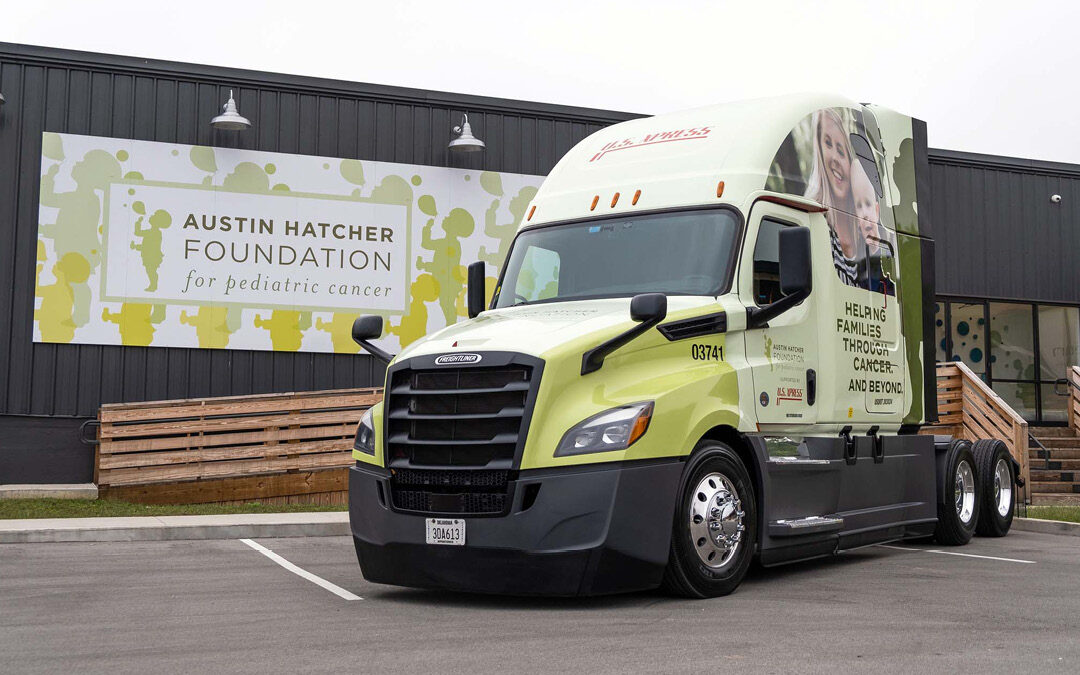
(366, 328)
(795, 277)
(648, 307)
(475, 289)
(795, 260)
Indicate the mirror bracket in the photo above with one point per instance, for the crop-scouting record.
(365, 329)
(656, 305)
(759, 317)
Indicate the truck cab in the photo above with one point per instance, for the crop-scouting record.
(707, 344)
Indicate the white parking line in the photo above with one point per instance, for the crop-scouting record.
(965, 555)
(300, 572)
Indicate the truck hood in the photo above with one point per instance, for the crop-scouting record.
(539, 329)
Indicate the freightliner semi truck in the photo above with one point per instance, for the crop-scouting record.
(711, 342)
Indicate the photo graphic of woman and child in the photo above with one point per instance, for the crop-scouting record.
(861, 247)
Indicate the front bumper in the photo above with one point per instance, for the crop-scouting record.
(590, 530)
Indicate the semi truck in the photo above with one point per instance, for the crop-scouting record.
(711, 342)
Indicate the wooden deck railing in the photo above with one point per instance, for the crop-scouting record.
(968, 408)
(1074, 399)
(276, 447)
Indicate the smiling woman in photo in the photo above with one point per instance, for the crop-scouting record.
(830, 184)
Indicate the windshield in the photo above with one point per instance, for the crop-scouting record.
(682, 253)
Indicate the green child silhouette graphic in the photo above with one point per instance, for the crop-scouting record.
(150, 247)
(136, 321)
(340, 329)
(54, 317)
(446, 265)
(413, 325)
(286, 328)
(78, 218)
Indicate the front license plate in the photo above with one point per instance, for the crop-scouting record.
(449, 531)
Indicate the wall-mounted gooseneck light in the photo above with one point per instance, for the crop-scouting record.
(230, 118)
(465, 141)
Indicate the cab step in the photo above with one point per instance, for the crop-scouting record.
(809, 525)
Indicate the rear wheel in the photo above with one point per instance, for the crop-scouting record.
(997, 490)
(715, 526)
(958, 510)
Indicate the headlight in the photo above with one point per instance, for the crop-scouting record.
(614, 429)
(365, 434)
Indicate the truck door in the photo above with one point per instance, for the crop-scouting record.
(783, 355)
(883, 372)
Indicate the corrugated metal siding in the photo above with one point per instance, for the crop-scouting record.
(997, 233)
(61, 91)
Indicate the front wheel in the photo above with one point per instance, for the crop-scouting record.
(715, 526)
(958, 510)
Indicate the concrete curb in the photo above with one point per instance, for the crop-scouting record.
(172, 528)
(53, 491)
(1046, 526)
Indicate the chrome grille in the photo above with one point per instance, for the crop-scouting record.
(456, 416)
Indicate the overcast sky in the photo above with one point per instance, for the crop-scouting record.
(992, 76)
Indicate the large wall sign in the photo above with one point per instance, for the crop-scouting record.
(158, 244)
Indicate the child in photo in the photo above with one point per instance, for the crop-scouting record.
(868, 219)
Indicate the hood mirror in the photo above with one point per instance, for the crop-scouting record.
(370, 327)
(475, 289)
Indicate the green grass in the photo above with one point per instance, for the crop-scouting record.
(1067, 513)
(94, 508)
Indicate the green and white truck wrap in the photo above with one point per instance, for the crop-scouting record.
(710, 341)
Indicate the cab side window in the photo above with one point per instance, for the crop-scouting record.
(767, 262)
(866, 158)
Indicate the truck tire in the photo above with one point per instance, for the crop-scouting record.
(716, 524)
(958, 510)
(997, 487)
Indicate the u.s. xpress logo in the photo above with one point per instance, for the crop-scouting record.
(457, 359)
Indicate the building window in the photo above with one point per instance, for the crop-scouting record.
(941, 346)
(1012, 341)
(1059, 350)
(968, 333)
(1020, 349)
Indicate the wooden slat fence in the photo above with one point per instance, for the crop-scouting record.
(1074, 399)
(291, 447)
(969, 409)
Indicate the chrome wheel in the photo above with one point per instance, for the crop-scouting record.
(716, 520)
(1003, 487)
(964, 492)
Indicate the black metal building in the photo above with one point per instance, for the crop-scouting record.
(1000, 237)
(48, 390)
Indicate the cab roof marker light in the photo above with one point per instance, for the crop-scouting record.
(532, 210)
(637, 196)
(615, 200)
(595, 201)
(720, 189)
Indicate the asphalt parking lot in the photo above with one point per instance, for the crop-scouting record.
(214, 606)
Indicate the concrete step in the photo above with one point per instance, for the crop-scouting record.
(1055, 453)
(49, 490)
(1049, 499)
(1058, 487)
